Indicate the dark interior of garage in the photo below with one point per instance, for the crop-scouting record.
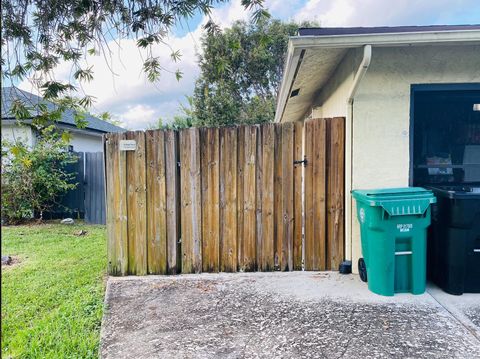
(446, 159)
(446, 131)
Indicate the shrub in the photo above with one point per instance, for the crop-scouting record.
(34, 179)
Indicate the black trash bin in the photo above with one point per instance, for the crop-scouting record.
(453, 247)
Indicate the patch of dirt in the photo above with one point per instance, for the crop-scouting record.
(13, 262)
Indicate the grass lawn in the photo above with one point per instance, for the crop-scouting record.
(52, 299)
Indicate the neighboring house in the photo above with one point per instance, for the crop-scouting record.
(88, 139)
(408, 95)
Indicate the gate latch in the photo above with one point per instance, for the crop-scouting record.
(304, 161)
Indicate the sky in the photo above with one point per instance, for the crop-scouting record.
(120, 87)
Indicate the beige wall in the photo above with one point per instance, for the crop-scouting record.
(331, 101)
(381, 112)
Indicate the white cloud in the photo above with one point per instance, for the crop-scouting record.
(138, 116)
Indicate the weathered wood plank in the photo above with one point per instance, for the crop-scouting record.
(173, 202)
(111, 166)
(240, 196)
(210, 153)
(287, 196)
(267, 262)
(319, 194)
(249, 199)
(335, 191)
(258, 198)
(136, 207)
(228, 199)
(156, 203)
(278, 198)
(121, 217)
(308, 195)
(297, 197)
(191, 214)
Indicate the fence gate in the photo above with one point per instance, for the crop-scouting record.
(262, 197)
(94, 188)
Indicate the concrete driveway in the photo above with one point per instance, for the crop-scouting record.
(282, 315)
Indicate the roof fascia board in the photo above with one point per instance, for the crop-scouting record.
(391, 39)
(86, 131)
(293, 56)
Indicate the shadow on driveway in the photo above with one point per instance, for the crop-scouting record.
(279, 315)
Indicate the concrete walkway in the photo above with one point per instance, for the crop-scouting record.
(282, 315)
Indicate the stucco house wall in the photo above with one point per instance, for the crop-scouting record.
(381, 111)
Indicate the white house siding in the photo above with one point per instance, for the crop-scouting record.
(13, 132)
(81, 141)
(382, 109)
(86, 143)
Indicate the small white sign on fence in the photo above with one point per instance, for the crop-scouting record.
(128, 145)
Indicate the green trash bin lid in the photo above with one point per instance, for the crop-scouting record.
(397, 201)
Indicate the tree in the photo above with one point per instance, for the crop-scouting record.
(38, 35)
(241, 70)
(34, 179)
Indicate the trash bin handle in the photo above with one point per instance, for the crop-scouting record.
(403, 253)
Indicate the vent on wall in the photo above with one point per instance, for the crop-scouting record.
(294, 92)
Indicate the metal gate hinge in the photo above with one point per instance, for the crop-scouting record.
(304, 161)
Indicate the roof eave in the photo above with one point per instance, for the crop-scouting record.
(297, 43)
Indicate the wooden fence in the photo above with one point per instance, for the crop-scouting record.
(263, 197)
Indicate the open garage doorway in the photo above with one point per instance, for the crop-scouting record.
(445, 134)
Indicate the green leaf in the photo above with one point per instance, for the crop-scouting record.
(80, 120)
(176, 55)
(84, 74)
(66, 136)
(178, 75)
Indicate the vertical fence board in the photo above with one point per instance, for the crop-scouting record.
(308, 195)
(258, 199)
(268, 184)
(136, 207)
(121, 225)
(287, 197)
(240, 195)
(156, 203)
(278, 200)
(210, 153)
(319, 185)
(335, 192)
(191, 212)
(249, 199)
(228, 199)
(297, 197)
(173, 200)
(111, 152)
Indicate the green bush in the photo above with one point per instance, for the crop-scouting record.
(34, 179)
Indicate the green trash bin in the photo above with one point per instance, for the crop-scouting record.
(393, 224)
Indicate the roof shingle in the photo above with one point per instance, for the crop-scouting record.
(10, 94)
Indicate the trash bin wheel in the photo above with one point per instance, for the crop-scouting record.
(362, 269)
